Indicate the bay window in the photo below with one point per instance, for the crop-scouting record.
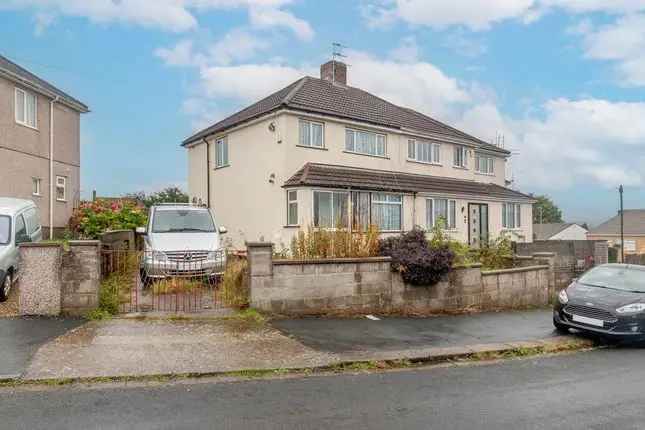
(365, 142)
(331, 209)
(441, 213)
(292, 207)
(424, 152)
(511, 215)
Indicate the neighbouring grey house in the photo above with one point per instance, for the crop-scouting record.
(39, 144)
(559, 231)
(633, 231)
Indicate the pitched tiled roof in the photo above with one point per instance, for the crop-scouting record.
(546, 231)
(320, 96)
(633, 221)
(20, 74)
(333, 176)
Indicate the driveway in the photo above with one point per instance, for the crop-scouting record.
(21, 337)
(362, 335)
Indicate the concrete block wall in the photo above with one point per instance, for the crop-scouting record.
(54, 280)
(81, 277)
(309, 287)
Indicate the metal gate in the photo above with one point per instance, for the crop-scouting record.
(183, 281)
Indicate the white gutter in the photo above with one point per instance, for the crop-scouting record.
(51, 167)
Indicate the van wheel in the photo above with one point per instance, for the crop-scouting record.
(5, 287)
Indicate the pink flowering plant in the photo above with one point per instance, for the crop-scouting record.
(91, 219)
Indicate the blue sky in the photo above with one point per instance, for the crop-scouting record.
(562, 80)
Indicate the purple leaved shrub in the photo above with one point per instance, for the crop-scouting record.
(412, 256)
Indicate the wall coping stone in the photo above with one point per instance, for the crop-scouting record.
(514, 270)
(259, 244)
(523, 257)
(285, 262)
(40, 245)
(84, 242)
(544, 254)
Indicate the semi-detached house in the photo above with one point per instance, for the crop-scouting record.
(320, 152)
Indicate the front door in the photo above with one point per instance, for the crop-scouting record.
(477, 224)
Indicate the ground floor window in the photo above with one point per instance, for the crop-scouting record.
(292, 207)
(331, 209)
(387, 211)
(511, 217)
(361, 210)
(441, 212)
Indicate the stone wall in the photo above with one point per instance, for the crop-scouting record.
(56, 280)
(80, 277)
(309, 287)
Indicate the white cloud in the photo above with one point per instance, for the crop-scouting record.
(179, 55)
(407, 51)
(237, 45)
(171, 15)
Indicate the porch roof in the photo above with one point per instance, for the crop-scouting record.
(334, 176)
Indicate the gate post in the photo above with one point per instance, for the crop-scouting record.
(260, 257)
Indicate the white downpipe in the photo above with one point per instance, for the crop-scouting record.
(51, 167)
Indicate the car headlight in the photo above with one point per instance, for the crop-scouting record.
(562, 297)
(633, 308)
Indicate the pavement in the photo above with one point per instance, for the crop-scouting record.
(20, 338)
(600, 389)
(130, 347)
(394, 337)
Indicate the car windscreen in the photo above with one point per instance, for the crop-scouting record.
(182, 221)
(5, 230)
(623, 278)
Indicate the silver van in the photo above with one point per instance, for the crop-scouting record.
(19, 223)
(181, 240)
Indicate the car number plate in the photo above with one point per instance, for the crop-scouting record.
(586, 320)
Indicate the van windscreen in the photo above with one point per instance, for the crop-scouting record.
(182, 221)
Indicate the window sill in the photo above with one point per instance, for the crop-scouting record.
(36, 195)
(423, 162)
(460, 167)
(319, 148)
(22, 124)
(383, 157)
(222, 167)
(291, 226)
(484, 174)
(61, 200)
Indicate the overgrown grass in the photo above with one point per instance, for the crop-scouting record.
(234, 290)
(176, 286)
(247, 319)
(315, 243)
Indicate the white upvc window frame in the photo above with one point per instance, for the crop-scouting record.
(512, 211)
(292, 200)
(61, 183)
(380, 141)
(331, 192)
(222, 155)
(36, 186)
(309, 124)
(490, 164)
(451, 218)
(374, 201)
(24, 95)
(418, 147)
(460, 151)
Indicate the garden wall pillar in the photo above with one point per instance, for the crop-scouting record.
(260, 258)
(40, 279)
(81, 277)
(548, 259)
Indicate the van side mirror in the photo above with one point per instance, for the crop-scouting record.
(140, 230)
(22, 238)
(223, 230)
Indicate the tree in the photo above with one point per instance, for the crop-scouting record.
(545, 211)
(167, 195)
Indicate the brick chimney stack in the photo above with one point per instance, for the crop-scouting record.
(334, 71)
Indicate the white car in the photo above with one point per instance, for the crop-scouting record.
(181, 240)
(19, 223)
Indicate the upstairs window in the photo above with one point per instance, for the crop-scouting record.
(441, 213)
(424, 152)
(484, 164)
(511, 215)
(221, 153)
(460, 156)
(26, 108)
(311, 134)
(365, 142)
